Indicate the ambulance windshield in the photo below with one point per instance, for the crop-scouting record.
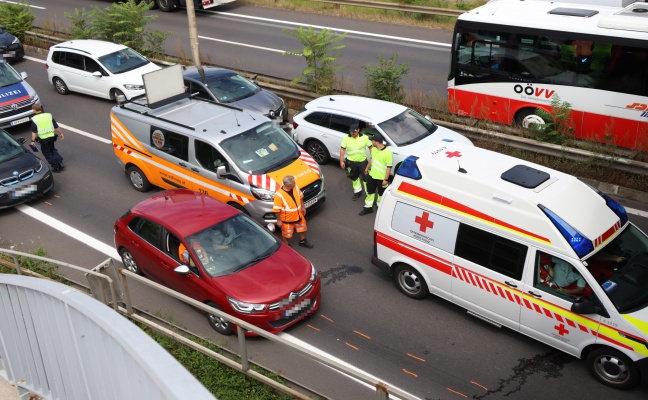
(262, 149)
(621, 268)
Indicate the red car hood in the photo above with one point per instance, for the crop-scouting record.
(268, 281)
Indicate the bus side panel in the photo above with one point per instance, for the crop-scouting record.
(480, 106)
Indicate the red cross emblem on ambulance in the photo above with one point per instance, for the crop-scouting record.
(561, 329)
(451, 154)
(424, 222)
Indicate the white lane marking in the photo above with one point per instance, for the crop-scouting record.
(340, 361)
(375, 35)
(70, 231)
(86, 134)
(22, 3)
(34, 58)
(241, 44)
(637, 212)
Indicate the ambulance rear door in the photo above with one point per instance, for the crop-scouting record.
(546, 310)
(488, 275)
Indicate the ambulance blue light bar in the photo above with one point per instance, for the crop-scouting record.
(581, 245)
(617, 208)
(409, 169)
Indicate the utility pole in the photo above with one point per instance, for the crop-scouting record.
(193, 38)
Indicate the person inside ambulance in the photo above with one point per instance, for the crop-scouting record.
(561, 276)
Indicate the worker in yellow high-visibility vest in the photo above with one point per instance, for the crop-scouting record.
(378, 171)
(353, 157)
(46, 131)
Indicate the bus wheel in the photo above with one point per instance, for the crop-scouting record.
(613, 368)
(527, 117)
(167, 5)
(410, 282)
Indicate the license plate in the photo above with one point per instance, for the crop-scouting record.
(310, 202)
(20, 121)
(24, 191)
(297, 308)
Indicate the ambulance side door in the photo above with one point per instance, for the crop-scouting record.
(210, 158)
(173, 148)
(545, 312)
(488, 273)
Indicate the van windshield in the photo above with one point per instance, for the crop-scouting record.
(621, 268)
(262, 149)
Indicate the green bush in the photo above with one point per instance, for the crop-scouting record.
(558, 128)
(384, 81)
(17, 18)
(318, 48)
(123, 23)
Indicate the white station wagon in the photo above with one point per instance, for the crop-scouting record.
(321, 125)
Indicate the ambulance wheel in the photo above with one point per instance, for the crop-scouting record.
(318, 151)
(220, 325)
(613, 368)
(138, 179)
(410, 282)
(129, 262)
(60, 86)
(527, 117)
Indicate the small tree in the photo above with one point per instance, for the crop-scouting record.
(384, 81)
(558, 127)
(17, 18)
(318, 48)
(123, 23)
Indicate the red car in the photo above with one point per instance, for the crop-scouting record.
(216, 254)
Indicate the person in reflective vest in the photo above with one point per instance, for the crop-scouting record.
(378, 170)
(46, 131)
(290, 211)
(353, 158)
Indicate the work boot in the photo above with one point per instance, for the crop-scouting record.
(356, 196)
(306, 243)
(366, 211)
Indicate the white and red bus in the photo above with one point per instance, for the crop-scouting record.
(510, 57)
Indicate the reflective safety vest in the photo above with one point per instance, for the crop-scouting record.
(288, 209)
(355, 147)
(44, 124)
(380, 160)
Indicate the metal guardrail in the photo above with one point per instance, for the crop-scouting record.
(107, 275)
(447, 12)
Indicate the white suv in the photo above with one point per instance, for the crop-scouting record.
(98, 68)
(323, 122)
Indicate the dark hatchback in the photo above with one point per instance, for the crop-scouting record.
(23, 176)
(228, 87)
(10, 47)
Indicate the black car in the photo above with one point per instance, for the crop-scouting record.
(10, 47)
(23, 176)
(228, 87)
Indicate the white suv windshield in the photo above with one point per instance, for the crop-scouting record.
(407, 128)
(122, 61)
(624, 273)
(8, 76)
(261, 150)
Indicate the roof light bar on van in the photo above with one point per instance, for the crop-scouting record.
(617, 208)
(409, 169)
(581, 245)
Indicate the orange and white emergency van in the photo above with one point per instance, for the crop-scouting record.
(522, 246)
(170, 139)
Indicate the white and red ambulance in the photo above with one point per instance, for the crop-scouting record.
(522, 246)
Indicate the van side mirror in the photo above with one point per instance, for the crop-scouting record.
(583, 306)
(221, 172)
